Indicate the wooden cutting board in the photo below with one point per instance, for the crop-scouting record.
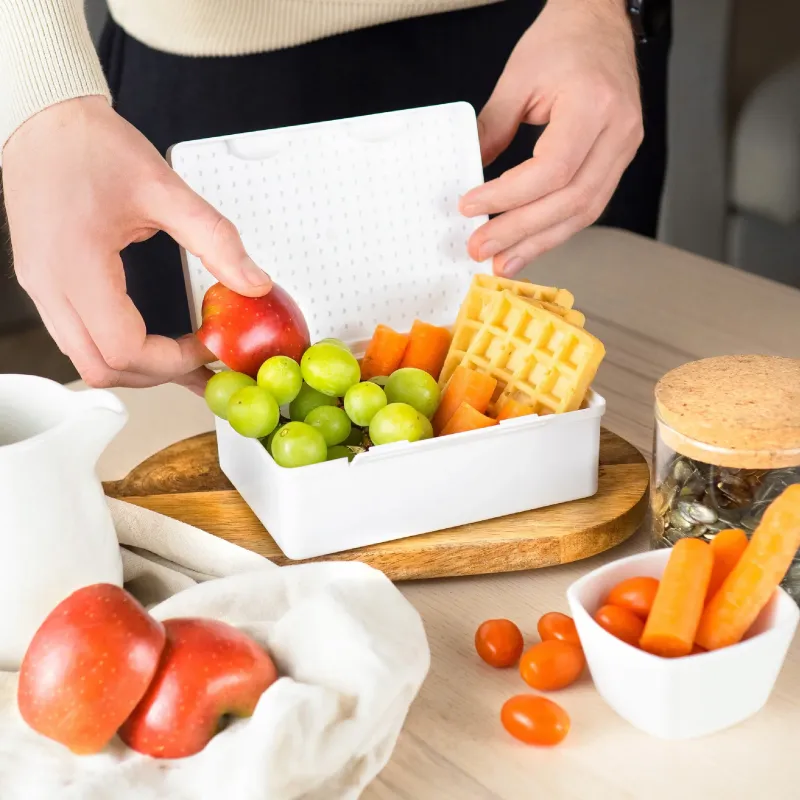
(185, 482)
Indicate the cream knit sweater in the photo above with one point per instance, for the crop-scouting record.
(46, 53)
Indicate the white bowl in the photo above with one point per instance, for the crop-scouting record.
(679, 698)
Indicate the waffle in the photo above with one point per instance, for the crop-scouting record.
(536, 356)
(485, 288)
(484, 292)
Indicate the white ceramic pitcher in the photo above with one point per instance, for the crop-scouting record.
(56, 532)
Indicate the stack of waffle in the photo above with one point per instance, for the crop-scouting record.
(530, 339)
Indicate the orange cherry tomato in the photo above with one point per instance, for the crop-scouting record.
(499, 642)
(635, 594)
(620, 622)
(552, 665)
(554, 625)
(535, 720)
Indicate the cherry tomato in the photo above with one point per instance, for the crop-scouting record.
(621, 623)
(554, 625)
(635, 594)
(499, 642)
(552, 665)
(535, 720)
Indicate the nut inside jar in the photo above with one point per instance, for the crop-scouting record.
(697, 499)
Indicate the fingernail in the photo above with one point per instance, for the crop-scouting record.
(489, 249)
(512, 267)
(254, 274)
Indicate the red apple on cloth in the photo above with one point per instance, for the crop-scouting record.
(209, 671)
(88, 666)
(243, 332)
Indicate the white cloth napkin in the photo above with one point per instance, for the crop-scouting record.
(352, 652)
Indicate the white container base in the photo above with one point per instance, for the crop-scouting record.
(411, 488)
(680, 698)
(358, 220)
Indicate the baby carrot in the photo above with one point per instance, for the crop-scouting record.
(467, 418)
(727, 548)
(751, 583)
(513, 408)
(384, 353)
(466, 386)
(427, 348)
(672, 623)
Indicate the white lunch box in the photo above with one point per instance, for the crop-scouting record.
(358, 220)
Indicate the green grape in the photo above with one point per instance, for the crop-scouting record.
(340, 451)
(397, 422)
(414, 387)
(221, 387)
(363, 401)
(280, 376)
(306, 400)
(337, 342)
(330, 369)
(298, 445)
(253, 412)
(381, 380)
(267, 441)
(331, 422)
(426, 424)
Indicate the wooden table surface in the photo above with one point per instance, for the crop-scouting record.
(654, 307)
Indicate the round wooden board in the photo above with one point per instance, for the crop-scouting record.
(184, 481)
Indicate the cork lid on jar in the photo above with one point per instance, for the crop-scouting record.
(733, 411)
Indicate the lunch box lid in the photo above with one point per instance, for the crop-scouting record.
(356, 218)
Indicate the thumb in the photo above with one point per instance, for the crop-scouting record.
(500, 119)
(198, 227)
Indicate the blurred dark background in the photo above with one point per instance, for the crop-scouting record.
(733, 182)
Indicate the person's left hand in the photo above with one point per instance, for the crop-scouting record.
(575, 71)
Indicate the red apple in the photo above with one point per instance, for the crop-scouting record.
(243, 332)
(209, 671)
(87, 667)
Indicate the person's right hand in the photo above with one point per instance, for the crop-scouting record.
(80, 185)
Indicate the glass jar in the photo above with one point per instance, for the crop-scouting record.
(727, 443)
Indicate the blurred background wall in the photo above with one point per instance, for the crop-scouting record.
(733, 181)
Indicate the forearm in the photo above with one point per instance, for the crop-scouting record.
(615, 11)
(46, 56)
(615, 7)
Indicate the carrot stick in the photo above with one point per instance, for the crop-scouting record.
(384, 353)
(672, 623)
(751, 583)
(727, 548)
(467, 418)
(427, 348)
(513, 408)
(466, 386)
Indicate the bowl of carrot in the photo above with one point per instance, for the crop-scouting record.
(685, 642)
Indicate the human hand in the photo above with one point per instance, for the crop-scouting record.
(80, 185)
(575, 70)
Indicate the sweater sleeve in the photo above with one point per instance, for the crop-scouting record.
(46, 56)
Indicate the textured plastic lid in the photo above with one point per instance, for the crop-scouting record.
(735, 411)
(358, 219)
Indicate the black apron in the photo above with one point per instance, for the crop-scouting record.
(424, 61)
